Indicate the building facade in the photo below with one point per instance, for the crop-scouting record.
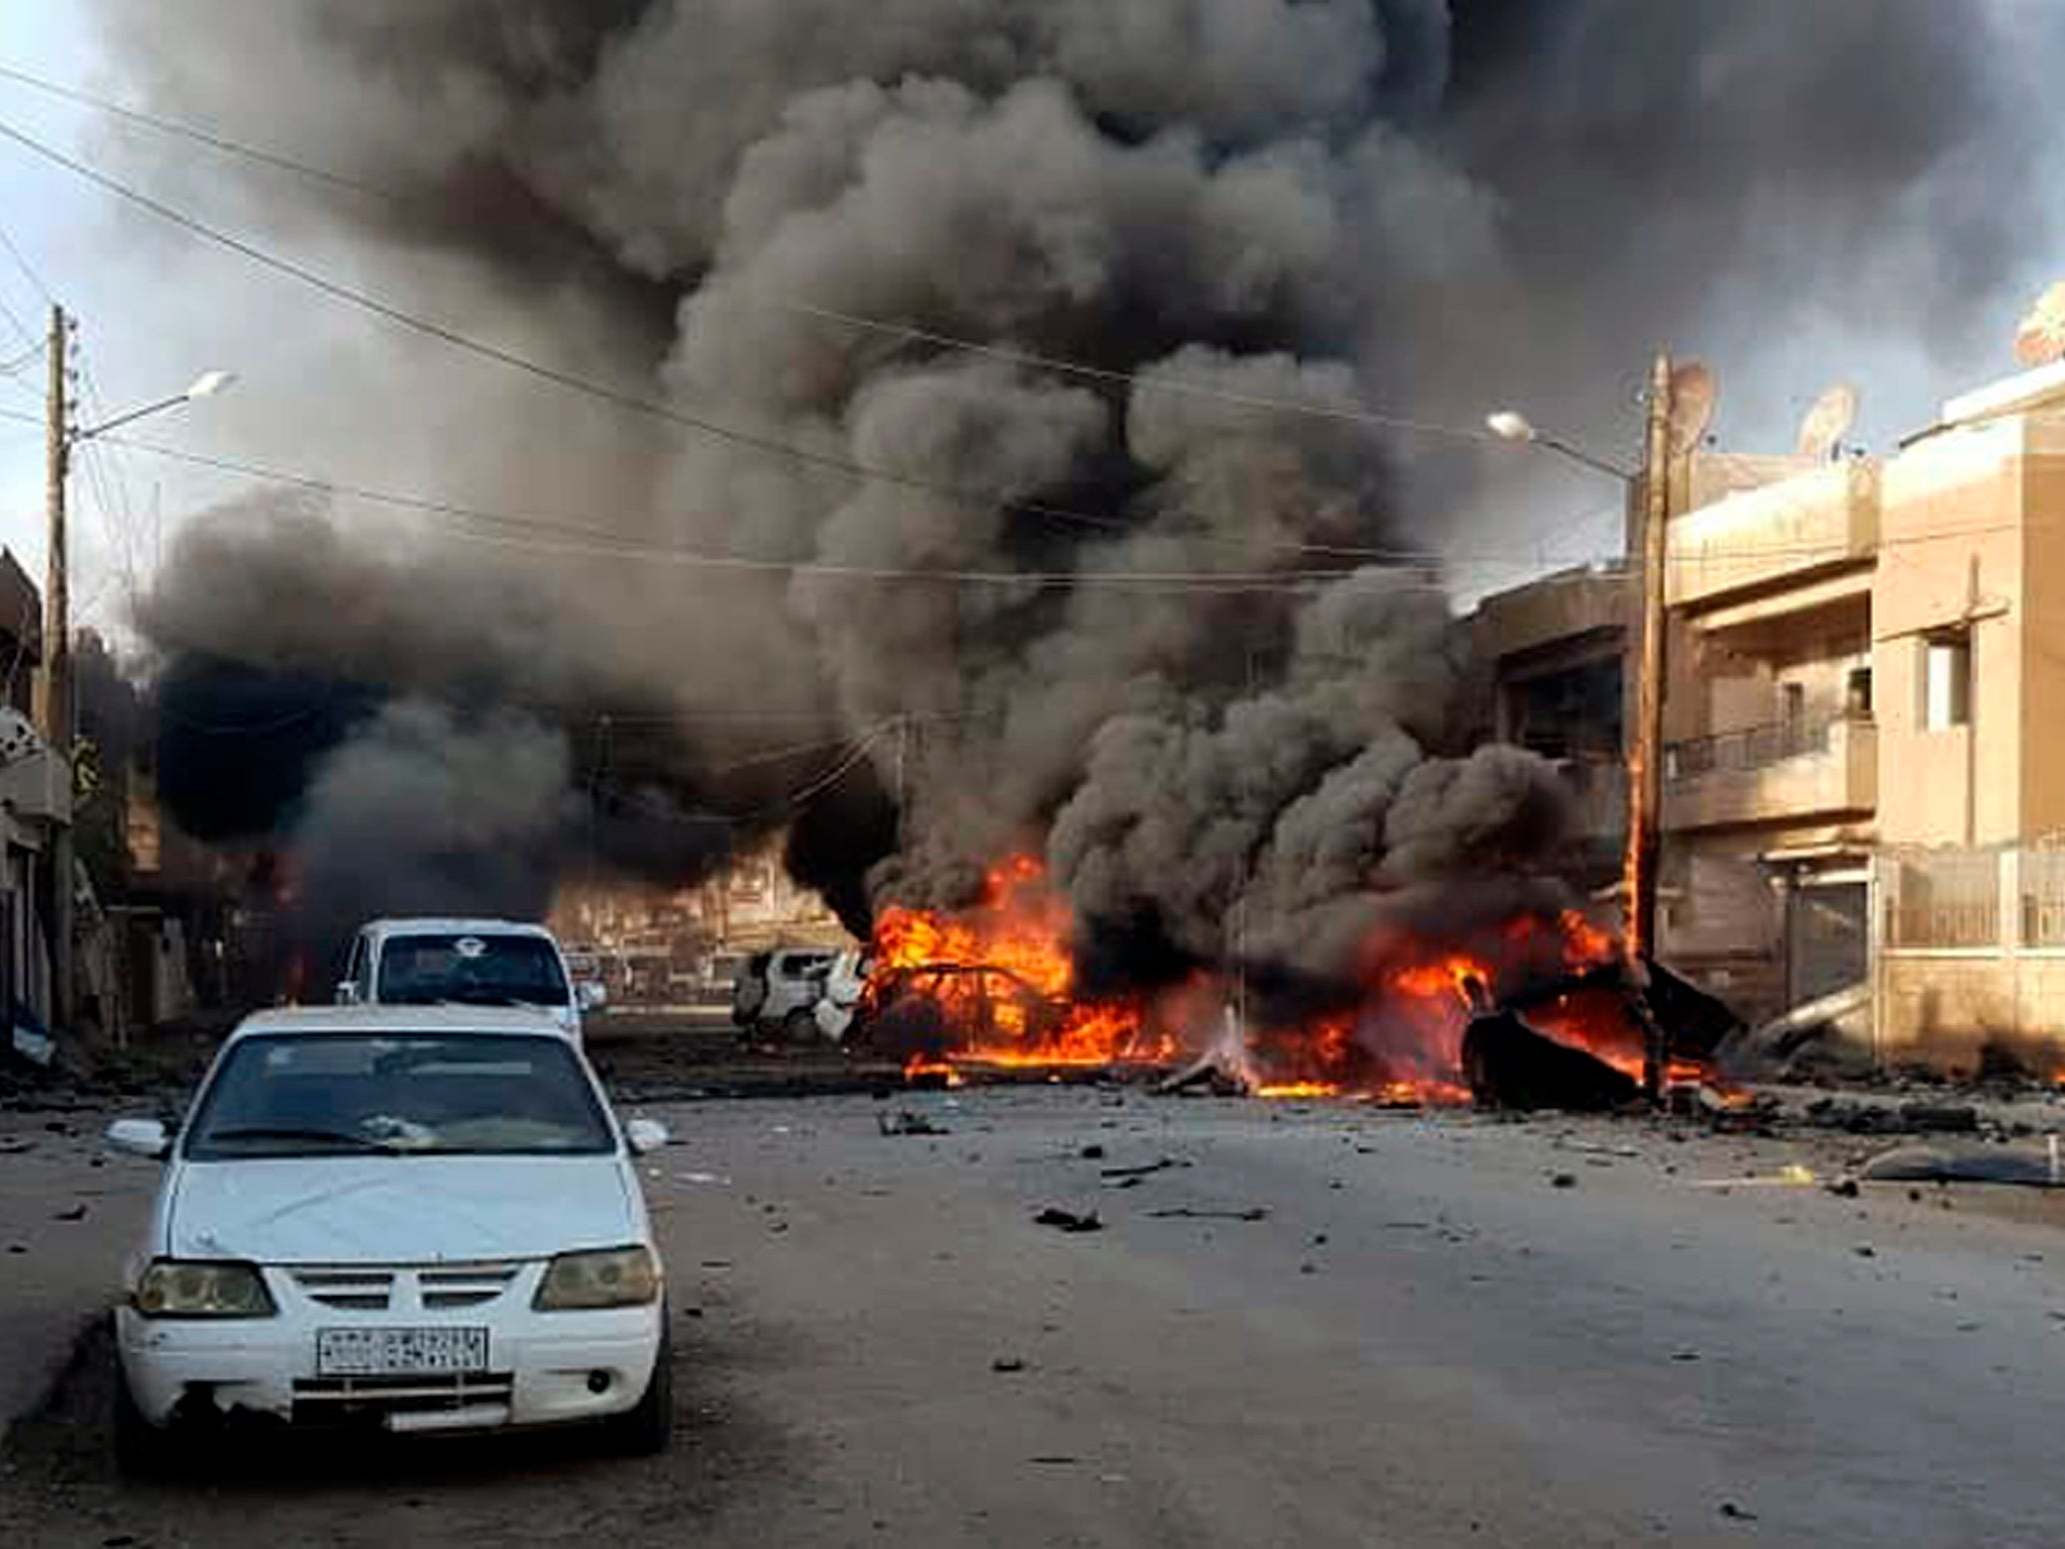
(1862, 784)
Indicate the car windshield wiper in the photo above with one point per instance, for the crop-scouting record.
(336, 1137)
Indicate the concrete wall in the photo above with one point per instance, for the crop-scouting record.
(1823, 517)
(1943, 1007)
(1951, 520)
(2043, 624)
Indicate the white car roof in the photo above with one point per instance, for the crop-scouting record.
(400, 1019)
(439, 925)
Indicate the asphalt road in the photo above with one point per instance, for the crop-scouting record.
(1423, 1341)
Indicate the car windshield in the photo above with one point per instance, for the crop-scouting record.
(470, 970)
(404, 1094)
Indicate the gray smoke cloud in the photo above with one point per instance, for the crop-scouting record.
(1212, 205)
(428, 812)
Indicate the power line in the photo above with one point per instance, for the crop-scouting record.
(1140, 381)
(596, 543)
(620, 398)
(1350, 413)
(201, 136)
(28, 269)
(608, 545)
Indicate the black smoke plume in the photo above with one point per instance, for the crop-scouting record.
(1242, 219)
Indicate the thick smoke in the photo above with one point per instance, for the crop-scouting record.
(1241, 218)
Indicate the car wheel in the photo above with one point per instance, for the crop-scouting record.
(648, 1428)
(799, 1027)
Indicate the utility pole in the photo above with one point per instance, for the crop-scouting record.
(1645, 744)
(57, 669)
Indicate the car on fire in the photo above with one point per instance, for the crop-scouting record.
(938, 1008)
(429, 961)
(407, 1219)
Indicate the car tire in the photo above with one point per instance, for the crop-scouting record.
(647, 1429)
(799, 1029)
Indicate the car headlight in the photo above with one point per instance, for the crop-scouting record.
(607, 1277)
(171, 1288)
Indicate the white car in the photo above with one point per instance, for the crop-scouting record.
(777, 991)
(415, 1219)
(433, 961)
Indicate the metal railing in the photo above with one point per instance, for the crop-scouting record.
(1752, 747)
(1944, 898)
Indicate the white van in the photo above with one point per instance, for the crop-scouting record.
(433, 962)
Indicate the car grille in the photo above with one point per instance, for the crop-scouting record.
(337, 1400)
(376, 1288)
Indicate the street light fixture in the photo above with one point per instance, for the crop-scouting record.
(206, 385)
(1645, 742)
(56, 686)
(1511, 425)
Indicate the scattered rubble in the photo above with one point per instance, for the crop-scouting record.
(1144, 1170)
(1068, 1220)
(904, 1122)
(1192, 1213)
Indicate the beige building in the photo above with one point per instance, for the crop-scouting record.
(1862, 782)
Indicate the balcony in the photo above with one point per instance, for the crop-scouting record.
(1797, 527)
(1783, 772)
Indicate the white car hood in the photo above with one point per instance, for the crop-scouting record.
(418, 1209)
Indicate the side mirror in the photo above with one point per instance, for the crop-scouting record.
(139, 1137)
(592, 995)
(645, 1135)
(347, 993)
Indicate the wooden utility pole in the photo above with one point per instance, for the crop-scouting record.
(56, 718)
(1645, 742)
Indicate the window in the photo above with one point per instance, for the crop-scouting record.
(1794, 697)
(1857, 697)
(1947, 681)
(322, 1094)
(471, 970)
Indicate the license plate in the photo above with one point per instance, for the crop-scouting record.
(389, 1352)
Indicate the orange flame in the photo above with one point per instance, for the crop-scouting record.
(1001, 977)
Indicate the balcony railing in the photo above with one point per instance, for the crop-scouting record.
(1752, 747)
(1786, 771)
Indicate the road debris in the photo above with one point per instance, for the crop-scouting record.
(904, 1122)
(1068, 1220)
(2028, 1167)
(1007, 1364)
(1192, 1213)
(76, 1213)
(1563, 1181)
(1145, 1169)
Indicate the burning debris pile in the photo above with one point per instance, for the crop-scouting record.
(1536, 1012)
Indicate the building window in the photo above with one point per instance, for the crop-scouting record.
(1794, 698)
(1857, 695)
(1947, 681)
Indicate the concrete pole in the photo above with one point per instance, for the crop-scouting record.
(1645, 744)
(57, 674)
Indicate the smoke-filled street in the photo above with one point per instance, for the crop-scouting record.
(1031, 772)
(1299, 1325)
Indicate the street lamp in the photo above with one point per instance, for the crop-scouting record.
(56, 718)
(1511, 425)
(1645, 739)
(206, 385)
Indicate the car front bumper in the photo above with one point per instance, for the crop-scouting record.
(543, 1368)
